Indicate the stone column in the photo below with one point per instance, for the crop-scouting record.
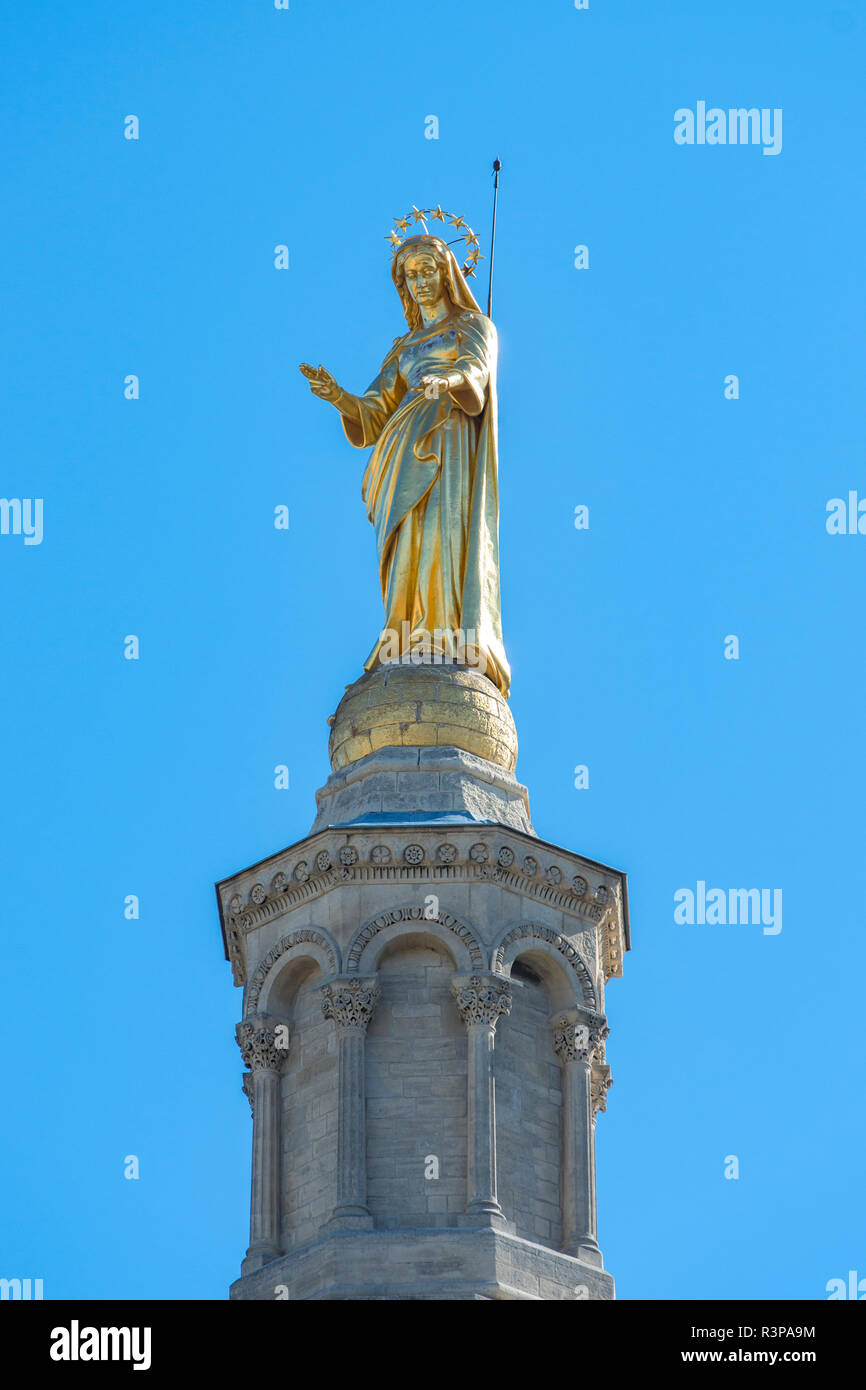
(264, 1047)
(480, 1001)
(350, 1002)
(578, 1038)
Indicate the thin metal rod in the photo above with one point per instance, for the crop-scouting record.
(497, 165)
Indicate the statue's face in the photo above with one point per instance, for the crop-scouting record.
(423, 278)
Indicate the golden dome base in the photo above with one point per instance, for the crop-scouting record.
(409, 705)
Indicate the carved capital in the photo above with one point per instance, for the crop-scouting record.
(600, 1084)
(350, 1003)
(579, 1036)
(481, 998)
(264, 1044)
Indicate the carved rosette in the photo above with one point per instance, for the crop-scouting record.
(600, 1085)
(350, 1003)
(482, 998)
(576, 1040)
(264, 1045)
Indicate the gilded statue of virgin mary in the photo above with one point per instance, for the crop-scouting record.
(431, 485)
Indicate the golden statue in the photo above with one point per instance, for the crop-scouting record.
(431, 485)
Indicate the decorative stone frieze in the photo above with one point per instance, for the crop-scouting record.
(328, 863)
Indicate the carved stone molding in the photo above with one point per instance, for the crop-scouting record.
(497, 860)
(613, 943)
(550, 889)
(601, 1084)
(350, 1003)
(481, 998)
(264, 1044)
(578, 1039)
(287, 943)
(528, 931)
(413, 913)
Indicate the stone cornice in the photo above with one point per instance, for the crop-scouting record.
(590, 893)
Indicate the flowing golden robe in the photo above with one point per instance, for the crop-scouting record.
(431, 489)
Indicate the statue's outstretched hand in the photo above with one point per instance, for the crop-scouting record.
(322, 384)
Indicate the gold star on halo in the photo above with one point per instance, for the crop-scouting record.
(472, 239)
(457, 222)
(402, 223)
(420, 213)
(394, 240)
(437, 214)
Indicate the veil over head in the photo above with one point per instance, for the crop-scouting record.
(454, 279)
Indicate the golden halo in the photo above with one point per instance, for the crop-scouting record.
(423, 215)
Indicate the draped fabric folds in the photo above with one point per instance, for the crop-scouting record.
(431, 486)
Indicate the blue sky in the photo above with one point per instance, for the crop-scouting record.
(707, 518)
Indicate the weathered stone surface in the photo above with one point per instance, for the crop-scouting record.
(418, 1264)
(435, 965)
(413, 705)
(418, 781)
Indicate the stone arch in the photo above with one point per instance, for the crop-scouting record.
(312, 944)
(564, 970)
(371, 939)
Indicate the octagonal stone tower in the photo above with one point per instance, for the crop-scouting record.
(423, 1017)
